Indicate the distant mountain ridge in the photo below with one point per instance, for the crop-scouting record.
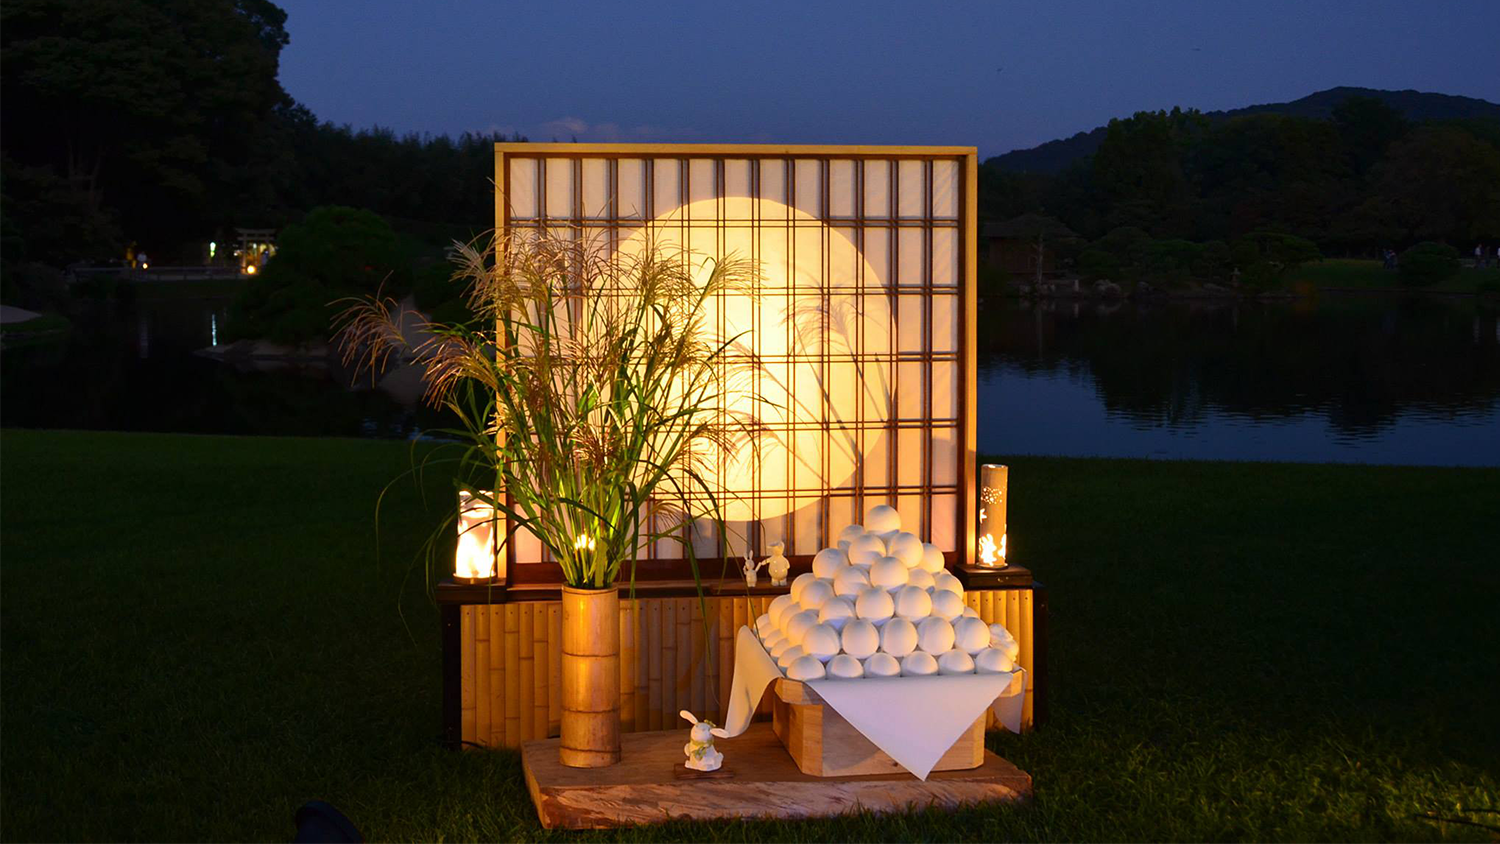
(1054, 156)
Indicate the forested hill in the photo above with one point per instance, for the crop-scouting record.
(1415, 106)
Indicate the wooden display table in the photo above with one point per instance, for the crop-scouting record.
(823, 744)
(502, 651)
(758, 780)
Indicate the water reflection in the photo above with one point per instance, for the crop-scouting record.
(1378, 380)
(1369, 379)
(129, 365)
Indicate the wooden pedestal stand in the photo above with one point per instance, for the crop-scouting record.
(823, 744)
(761, 782)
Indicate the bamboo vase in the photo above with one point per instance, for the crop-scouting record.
(590, 677)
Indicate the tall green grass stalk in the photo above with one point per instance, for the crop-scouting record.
(592, 395)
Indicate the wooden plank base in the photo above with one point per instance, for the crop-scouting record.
(766, 784)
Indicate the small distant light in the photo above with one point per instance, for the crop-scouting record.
(250, 269)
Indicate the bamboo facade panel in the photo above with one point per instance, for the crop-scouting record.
(468, 685)
(512, 677)
(528, 670)
(482, 690)
(501, 708)
(511, 670)
(628, 651)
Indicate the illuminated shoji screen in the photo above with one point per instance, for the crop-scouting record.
(860, 323)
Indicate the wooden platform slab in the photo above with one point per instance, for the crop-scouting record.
(765, 783)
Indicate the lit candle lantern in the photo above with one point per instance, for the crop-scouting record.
(477, 558)
(992, 483)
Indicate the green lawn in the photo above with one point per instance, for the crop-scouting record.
(197, 638)
(1371, 275)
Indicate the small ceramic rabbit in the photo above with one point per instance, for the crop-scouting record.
(777, 565)
(701, 755)
(750, 567)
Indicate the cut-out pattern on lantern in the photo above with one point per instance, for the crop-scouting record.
(992, 493)
(476, 557)
(857, 329)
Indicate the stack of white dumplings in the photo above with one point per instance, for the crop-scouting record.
(881, 605)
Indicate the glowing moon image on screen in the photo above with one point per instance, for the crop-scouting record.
(818, 312)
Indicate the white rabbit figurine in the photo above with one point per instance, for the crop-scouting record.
(701, 755)
(777, 565)
(750, 567)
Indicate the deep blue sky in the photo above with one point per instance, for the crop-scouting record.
(994, 75)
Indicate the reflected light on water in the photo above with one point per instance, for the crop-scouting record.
(1383, 381)
(1371, 382)
(1062, 414)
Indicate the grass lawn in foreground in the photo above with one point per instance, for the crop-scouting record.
(197, 638)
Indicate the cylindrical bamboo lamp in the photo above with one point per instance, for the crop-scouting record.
(992, 493)
(476, 558)
(590, 677)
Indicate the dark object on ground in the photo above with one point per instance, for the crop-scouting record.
(319, 822)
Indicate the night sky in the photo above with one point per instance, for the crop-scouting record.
(995, 75)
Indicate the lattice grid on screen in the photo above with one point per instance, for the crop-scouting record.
(859, 324)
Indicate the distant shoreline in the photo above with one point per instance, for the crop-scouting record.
(1156, 295)
(1333, 276)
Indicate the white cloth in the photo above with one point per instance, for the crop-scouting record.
(1011, 702)
(913, 720)
(753, 671)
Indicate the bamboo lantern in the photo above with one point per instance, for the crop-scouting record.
(476, 558)
(992, 492)
(590, 677)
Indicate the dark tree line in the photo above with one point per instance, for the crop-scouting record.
(125, 118)
(161, 122)
(1365, 180)
(434, 186)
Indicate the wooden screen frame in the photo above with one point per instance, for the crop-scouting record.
(968, 183)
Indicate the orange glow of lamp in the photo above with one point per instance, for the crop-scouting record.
(477, 558)
(990, 551)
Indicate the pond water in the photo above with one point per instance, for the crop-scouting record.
(129, 365)
(1351, 379)
(1358, 379)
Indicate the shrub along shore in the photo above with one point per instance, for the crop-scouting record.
(199, 635)
(1328, 277)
